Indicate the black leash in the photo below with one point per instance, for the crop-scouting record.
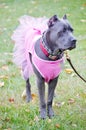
(69, 60)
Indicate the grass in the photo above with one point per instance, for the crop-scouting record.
(70, 101)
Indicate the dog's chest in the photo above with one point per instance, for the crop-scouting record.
(48, 69)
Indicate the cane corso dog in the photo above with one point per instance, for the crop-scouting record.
(39, 46)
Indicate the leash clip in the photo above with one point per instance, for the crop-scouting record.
(67, 56)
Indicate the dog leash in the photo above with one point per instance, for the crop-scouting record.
(69, 61)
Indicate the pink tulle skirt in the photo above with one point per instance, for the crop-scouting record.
(25, 36)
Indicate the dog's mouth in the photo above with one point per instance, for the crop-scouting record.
(72, 47)
(68, 48)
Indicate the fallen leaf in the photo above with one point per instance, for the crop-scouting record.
(71, 101)
(53, 103)
(8, 129)
(82, 8)
(78, 95)
(83, 95)
(60, 104)
(6, 7)
(84, 57)
(74, 125)
(3, 77)
(34, 96)
(11, 100)
(57, 125)
(69, 71)
(64, 7)
(4, 29)
(13, 74)
(68, 14)
(49, 120)
(84, 4)
(8, 53)
(1, 84)
(83, 20)
(24, 94)
(36, 119)
(5, 67)
(7, 119)
(73, 74)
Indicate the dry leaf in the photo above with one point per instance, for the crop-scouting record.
(74, 125)
(24, 94)
(7, 119)
(83, 20)
(71, 101)
(34, 96)
(83, 95)
(5, 67)
(6, 53)
(73, 74)
(13, 74)
(6, 7)
(84, 4)
(49, 120)
(1, 84)
(11, 100)
(8, 129)
(69, 71)
(60, 104)
(78, 95)
(57, 126)
(84, 57)
(36, 119)
(3, 77)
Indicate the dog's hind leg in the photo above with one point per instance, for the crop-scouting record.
(51, 88)
(28, 86)
(28, 91)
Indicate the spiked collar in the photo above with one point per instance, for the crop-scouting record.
(47, 51)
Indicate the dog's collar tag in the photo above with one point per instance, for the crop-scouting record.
(52, 57)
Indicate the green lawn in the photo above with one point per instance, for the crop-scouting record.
(70, 101)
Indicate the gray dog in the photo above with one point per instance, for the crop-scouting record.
(42, 49)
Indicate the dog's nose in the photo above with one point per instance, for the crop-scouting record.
(73, 41)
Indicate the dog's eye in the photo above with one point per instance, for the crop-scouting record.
(70, 29)
(64, 29)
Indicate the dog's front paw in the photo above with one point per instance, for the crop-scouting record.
(50, 112)
(43, 113)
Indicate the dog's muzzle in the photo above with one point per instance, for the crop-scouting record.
(73, 44)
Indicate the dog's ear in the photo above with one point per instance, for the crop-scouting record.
(52, 21)
(65, 17)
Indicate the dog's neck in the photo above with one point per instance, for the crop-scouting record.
(47, 49)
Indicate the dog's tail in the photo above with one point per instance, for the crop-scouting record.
(23, 33)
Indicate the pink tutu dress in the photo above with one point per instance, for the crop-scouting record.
(25, 36)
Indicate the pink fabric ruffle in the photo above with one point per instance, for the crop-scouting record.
(25, 35)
